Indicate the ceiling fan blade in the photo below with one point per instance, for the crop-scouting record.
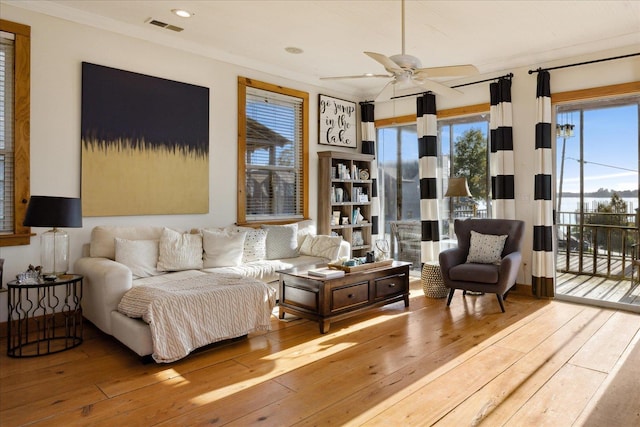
(388, 64)
(436, 87)
(359, 76)
(449, 71)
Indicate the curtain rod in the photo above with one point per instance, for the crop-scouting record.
(583, 63)
(506, 76)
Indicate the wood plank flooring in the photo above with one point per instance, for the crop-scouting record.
(540, 363)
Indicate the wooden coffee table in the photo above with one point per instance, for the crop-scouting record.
(325, 300)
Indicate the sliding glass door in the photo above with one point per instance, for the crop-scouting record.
(597, 181)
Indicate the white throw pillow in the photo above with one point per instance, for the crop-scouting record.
(486, 248)
(282, 241)
(222, 248)
(141, 256)
(305, 228)
(321, 246)
(178, 251)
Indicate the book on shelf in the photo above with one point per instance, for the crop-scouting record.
(326, 273)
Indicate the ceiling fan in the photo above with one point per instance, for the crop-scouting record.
(407, 68)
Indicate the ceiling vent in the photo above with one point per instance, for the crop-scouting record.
(164, 25)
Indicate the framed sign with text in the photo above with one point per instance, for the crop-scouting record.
(337, 122)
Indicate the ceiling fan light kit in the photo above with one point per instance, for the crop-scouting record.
(408, 68)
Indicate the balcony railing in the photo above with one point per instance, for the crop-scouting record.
(603, 249)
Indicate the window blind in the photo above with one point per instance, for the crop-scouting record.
(7, 54)
(273, 156)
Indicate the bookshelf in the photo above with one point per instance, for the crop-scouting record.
(344, 198)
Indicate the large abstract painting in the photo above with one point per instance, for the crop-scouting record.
(145, 144)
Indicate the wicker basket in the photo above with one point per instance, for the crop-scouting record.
(432, 282)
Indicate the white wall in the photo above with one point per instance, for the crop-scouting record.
(58, 47)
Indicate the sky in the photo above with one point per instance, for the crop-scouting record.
(610, 150)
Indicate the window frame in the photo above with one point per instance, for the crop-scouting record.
(22, 108)
(243, 84)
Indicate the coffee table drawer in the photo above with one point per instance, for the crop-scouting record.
(349, 296)
(390, 285)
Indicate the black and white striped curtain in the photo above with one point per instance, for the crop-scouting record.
(542, 267)
(501, 158)
(369, 147)
(428, 170)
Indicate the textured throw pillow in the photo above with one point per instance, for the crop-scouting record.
(486, 248)
(321, 246)
(282, 241)
(222, 248)
(141, 256)
(178, 251)
(255, 243)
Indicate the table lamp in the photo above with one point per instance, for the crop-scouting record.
(47, 211)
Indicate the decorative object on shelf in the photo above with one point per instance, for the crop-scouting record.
(364, 174)
(354, 216)
(335, 219)
(383, 249)
(345, 220)
(357, 239)
(337, 122)
(47, 211)
(339, 195)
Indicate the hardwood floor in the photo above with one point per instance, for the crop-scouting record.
(540, 363)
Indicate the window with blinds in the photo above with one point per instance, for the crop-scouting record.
(7, 54)
(273, 156)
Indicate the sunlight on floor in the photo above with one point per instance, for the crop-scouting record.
(292, 358)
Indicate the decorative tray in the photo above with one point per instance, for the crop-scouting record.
(361, 267)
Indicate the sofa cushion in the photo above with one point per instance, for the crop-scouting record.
(321, 246)
(282, 241)
(222, 248)
(471, 272)
(103, 242)
(485, 248)
(178, 251)
(141, 256)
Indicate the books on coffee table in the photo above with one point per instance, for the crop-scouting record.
(326, 273)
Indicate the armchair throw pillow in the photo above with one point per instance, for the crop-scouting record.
(486, 248)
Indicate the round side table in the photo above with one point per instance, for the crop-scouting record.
(432, 282)
(44, 317)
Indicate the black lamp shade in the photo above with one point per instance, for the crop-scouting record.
(46, 211)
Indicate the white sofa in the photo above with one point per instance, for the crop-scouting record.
(118, 258)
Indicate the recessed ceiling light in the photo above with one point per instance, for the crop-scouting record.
(182, 13)
(294, 50)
